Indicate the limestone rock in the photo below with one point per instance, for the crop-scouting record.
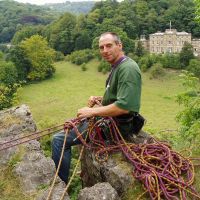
(117, 172)
(14, 123)
(35, 169)
(100, 191)
(56, 193)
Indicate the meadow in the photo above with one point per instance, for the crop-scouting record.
(53, 101)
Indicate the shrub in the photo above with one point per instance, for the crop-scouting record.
(189, 117)
(169, 60)
(148, 60)
(157, 71)
(8, 95)
(194, 67)
(59, 56)
(104, 67)
(81, 56)
(83, 67)
(186, 55)
(8, 73)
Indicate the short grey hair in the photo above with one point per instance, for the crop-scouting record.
(115, 36)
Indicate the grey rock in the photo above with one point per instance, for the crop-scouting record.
(15, 121)
(57, 192)
(117, 173)
(116, 170)
(35, 169)
(6, 155)
(141, 138)
(100, 191)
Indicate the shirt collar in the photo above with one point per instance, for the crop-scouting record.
(119, 61)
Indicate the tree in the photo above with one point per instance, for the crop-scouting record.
(186, 54)
(8, 73)
(26, 32)
(83, 41)
(189, 117)
(194, 67)
(62, 34)
(139, 50)
(23, 65)
(40, 56)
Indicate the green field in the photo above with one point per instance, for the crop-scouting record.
(57, 99)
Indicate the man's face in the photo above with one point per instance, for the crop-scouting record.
(109, 49)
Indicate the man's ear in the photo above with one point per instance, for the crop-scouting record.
(120, 45)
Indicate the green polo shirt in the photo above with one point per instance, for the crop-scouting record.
(124, 90)
(124, 87)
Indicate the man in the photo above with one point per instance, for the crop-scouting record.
(121, 99)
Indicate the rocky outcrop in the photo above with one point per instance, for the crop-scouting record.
(99, 191)
(33, 169)
(109, 180)
(117, 171)
(56, 193)
(14, 122)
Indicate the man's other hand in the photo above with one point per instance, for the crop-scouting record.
(85, 112)
(93, 100)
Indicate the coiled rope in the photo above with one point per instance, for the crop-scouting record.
(163, 172)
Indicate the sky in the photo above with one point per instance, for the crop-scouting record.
(40, 2)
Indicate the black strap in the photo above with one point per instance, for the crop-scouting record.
(122, 59)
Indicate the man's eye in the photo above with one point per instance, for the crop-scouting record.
(109, 45)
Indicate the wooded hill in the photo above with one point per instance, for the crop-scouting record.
(77, 7)
(14, 15)
(129, 17)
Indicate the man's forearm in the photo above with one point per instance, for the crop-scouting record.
(109, 110)
(104, 111)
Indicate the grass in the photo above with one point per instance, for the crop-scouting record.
(57, 99)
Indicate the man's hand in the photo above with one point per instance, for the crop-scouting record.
(85, 112)
(93, 99)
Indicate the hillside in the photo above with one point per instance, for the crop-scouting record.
(78, 7)
(14, 15)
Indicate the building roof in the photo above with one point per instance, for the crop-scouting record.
(170, 31)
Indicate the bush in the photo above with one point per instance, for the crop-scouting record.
(189, 117)
(145, 63)
(8, 95)
(59, 56)
(81, 56)
(157, 71)
(169, 60)
(134, 57)
(8, 73)
(83, 67)
(104, 67)
(194, 67)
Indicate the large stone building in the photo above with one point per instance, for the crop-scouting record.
(170, 41)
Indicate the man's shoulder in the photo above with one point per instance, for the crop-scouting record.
(129, 64)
